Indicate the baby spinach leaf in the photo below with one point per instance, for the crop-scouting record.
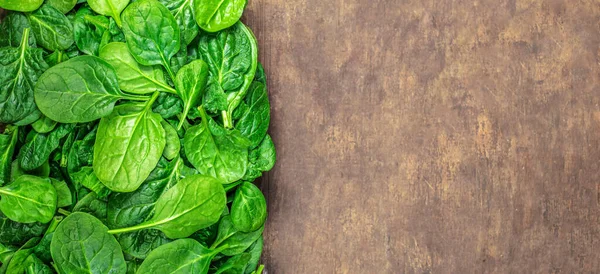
(19, 71)
(184, 15)
(21, 5)
(16, 233)
(63, 6)
(6, 252)
(90, 31)
(231, 56)
(12, 28)
(140, 243)
(254, 122)
(167, 105)
(24, 261)
(181, 256)
(128, 146)
(173, 144)
(44, 124)
(194, 203)
(16, 171)
(63, 193)
(249, 208)
(216, 151)
(112, 8)
(261, 159)
(216, 15)
(52, 29)
(235, 265)
(152, 33)
(81, 244)
(255, 251)
(55, 58)
(93, 205)
(190, 83)
(234, 240)
(86, 178)
(132, 208)
(79, 90)
(28, 199)
(8, 140)
(133, 77)
(260, 75)
(38, 146)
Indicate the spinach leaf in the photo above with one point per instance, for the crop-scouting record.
(63, 6)
(167, 105)
(152, 33)
(44, 125)
(55, 58)
(216, 151)
(64, 197)
(112, 8)
(16, 233)
(261, 159)
(19, 71)
(133, 77)
(249, 208)
(81, 244)
(231, 56)
(255, 251)
(234, 240)
(235, 265)
(52, 29)
(86, 178)
(254, 122)
(190, 83)
(90, 31)
(128, 146)
(28, 199)
(7, 149)
(21, 5)
(260, 75)
(6, 253)
(38, 146)
(16, 171)
(93, 205)
(140, 243)
(24, 261)
(173, 144)
(216, 15)
(12, 28)
(184, 15)
(194, 203)
(79, 90)
(181, 256)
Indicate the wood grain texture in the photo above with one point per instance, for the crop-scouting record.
(432, 136)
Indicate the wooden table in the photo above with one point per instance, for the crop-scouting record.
(432, 136)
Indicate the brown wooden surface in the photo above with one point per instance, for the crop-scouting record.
(432, 136)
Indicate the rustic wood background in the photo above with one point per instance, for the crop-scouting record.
(432, 136)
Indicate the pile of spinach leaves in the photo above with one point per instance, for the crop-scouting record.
(130, 137)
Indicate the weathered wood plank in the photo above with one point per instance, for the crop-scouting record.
(428, 136)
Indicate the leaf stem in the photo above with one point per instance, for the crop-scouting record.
(64, 212)
(203, 115)
(151, 101)
(25, 38)
(137, 97)
(130, 229)
(227, 122)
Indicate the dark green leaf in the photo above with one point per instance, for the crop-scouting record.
(235, 265)
(44, 124)
(112, 8)
(11, 30)
(173, 144)
(190, 83)
(254, 122)
(184, 15)
(261, 159)
(234, 240)
(255, 251)
(15, 233)
(90, 31)
(63, 193)
(249, 208)
(52, 29)
(38, 147)
(7, 148)
(182, 256)
(93, 205)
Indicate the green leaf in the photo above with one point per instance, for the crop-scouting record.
(231, 56)
(260, 75)
(128, 146)
(63, 193)
(92, 204)
(63, 6)
(249, 208)
(21, 5)
(44, 125)
(216, 152)
(52, 29)
(16, 171)
(140, 243)
(81, 244)
(79, 90)
(167, 105)
(194, 203)
(254, 122)
(19, 71)
(184, 15)
(190, 83)
(261, 159)
(255, 251)
(15, 233)
(88, 179)
(55, 58)
(112, 8)
(216, 15)
(28, 199)
(235, 265)
(90, 31)
(7, 149)
(38, 146)
(182, 256)
(12, 28)
(133, 77)
(234, 241)
(173, 144)
(151, 32)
